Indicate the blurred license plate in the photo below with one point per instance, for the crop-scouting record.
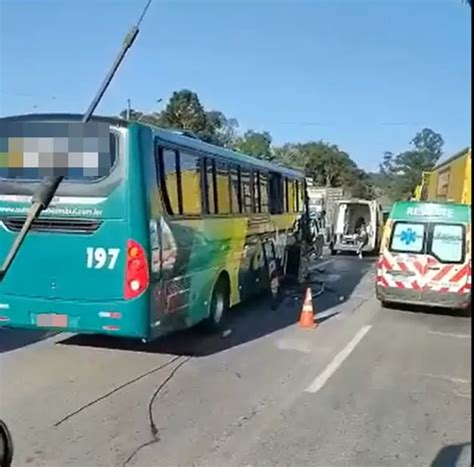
(52, 320)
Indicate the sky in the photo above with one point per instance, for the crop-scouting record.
(366, 75)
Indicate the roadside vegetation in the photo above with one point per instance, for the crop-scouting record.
(324, 161)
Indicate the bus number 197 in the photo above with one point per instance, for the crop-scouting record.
(98, 258)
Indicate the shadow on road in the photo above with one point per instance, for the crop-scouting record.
(11, 339)
(455, 455)
(246, 322)
(466, 314)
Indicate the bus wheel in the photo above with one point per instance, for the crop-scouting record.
(218, 306)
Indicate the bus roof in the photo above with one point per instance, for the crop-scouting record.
(430, 212)
(198, 145)
(170, 136)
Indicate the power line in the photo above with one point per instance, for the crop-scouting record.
(142, 16)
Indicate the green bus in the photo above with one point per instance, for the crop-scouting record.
(173, 234)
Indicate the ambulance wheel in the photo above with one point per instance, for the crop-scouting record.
(466, 312)
(218, 306)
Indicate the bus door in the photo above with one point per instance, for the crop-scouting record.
(405, 262)
(447, 261)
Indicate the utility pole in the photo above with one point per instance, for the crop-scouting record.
(129, 109)
(145, 114)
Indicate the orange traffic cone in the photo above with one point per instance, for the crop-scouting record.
(307, 312)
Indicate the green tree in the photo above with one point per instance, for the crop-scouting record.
(222, 131)
(184, 111)
(430, 144)
(361, 185)
(290, 154)
(327, 165)
(402, 172)
(256, 144)
(135, 115)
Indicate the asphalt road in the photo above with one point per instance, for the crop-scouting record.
(367, 387)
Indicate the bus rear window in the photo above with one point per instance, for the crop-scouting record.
(408, 237)
(447, 243)
(30, 151)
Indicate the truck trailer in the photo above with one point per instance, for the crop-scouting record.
(449, 181)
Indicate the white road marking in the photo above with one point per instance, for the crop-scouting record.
(447, 378)
(323, 377)
(450, 334)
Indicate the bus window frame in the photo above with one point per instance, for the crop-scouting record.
(235, 168)
(264, 180)
(179, 185)
(210, 163)
(198, 156)
(286, 200)
(159, 148)
(204, 156)
(257, 196)
(222, 167)
(94, 188)
(296, 188)
(276, 194)
(163, 187)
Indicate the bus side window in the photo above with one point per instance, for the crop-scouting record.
(290, 195)
(286, 197)
(277, 194)
(296, 196)
(223, 193)
(263, 192)
(246, 191)
(210, 186)
(235, 190)
(256, 191)
(190, 183)
(167, 164)
(301, 195)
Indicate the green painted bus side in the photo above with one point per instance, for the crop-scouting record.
(56, 282)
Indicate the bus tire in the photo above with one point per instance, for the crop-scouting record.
(218, 305)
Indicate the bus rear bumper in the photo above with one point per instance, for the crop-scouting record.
(460, 301)
(122, 318)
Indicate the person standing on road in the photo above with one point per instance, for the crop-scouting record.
(362, 235)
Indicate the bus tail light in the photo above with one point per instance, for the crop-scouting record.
(137, 277)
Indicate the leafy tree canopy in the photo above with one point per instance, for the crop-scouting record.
(255, 144)
(325, 162)
(401, 173)
(184, 111)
